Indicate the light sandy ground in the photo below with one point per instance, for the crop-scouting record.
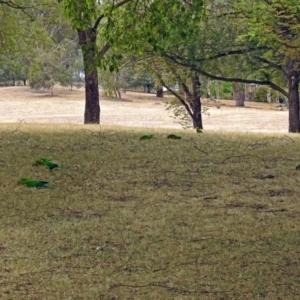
(137, 109)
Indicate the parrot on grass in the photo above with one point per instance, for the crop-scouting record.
(174, 137)
(46, 162)
(146, 137)
(34, 183)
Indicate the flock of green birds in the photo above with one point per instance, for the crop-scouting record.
(35, 183)
(150, 136)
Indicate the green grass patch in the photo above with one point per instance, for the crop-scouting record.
(209, 216)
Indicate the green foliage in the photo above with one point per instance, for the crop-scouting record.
(226, 88)
(81, 13)
(115, 81)
(45, 71)
(32, 31)
(261, 94)
(62, 65)
(12, 69)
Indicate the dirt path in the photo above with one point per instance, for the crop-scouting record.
(137, 109)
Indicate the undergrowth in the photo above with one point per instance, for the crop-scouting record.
(210, 216)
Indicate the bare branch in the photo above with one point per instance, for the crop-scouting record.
(17, 129)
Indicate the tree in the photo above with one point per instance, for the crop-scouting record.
(275, 24)
(165, 25)
(32, 31)
(238, 93)
(267, 38)
(189, 92)
(86, 17)
(121, 25)
(60, 64)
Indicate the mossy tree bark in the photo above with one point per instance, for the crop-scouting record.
(87, 41)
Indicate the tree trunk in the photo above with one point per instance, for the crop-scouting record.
(217, 89)
(87, 41)
(238, 94)
(117, 93)
(269, 95)
(247, 95)
(293, 98)
(208, 92)
(160, 92)
(148, 88)
(196, 101)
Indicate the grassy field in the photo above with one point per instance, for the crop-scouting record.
(210, 216)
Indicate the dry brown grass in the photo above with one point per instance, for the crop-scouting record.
(135, 109)
(210, 216)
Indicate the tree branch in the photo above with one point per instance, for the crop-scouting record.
(232, 52)
(223, 54)
(228, 79)
(13, 5)
(178, 97)
(271, 64)
(104, 49)
(113, 7)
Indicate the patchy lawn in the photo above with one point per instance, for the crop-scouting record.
(209, 216)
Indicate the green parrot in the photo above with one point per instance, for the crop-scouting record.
(34, 183)
(146, 137)
(48, 163)
(174, 137)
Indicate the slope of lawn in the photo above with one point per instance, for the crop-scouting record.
(209, 216)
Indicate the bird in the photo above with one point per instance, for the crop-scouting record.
(48, 163)
(146, 137)
(174, 137)
(34, 183)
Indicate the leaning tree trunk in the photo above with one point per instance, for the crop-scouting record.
(238, 94)
(196, 101)
(293, 98)
(87, 41)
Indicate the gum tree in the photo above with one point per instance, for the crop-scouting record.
(88, 17)
(265, 34)
(166, 25)
(134, 26)
(275, 24)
